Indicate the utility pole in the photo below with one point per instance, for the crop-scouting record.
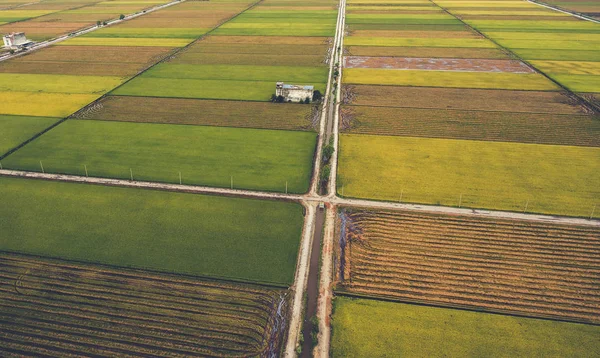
(131, 172)
(286, 186)
(42, 166)
(401, 194)
(591, 215)
(460, 201)
(86, 172)
(232, 182)
(526, 205)
(179, 178)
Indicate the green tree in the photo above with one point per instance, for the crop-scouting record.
(121, 17)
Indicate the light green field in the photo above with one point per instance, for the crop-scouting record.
(579, 83)
(493, 175)
(177, 33)
(289, 74)
(491, 80)
(418, 42)
(15, 130)
(18, 82)
(275, 29)
(123, 41)
(569, 67)
(450, 4)
(369, 328)
(173, 232)
(550, 44)
(534, 25)
(43, 104)
(203, 89)
(257, 159)
(571, 55)
(520, 12)
(544, 36)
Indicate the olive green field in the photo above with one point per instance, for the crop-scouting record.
(201, 235)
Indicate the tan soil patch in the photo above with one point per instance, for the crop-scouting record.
(437, 64)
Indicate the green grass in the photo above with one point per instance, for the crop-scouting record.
(418, 42)
(257, 159)
(203, 89)
(11, 82)
(275, 29)
(578, 83)
(369, 328)
(173, 232)
(14, 130)
(493, 175)
(491, 80)
(289, 74)
(528, 26)
(544, 54)
(43, 104)
(177, 33)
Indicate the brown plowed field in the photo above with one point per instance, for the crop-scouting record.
(249, 59)
(437, 64)
(49, 307)
(201, 112)
(534, 269)
(558, 129)
(428, 52)
(106, 54)
(467, 99)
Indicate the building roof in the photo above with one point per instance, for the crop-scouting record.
(298, 87)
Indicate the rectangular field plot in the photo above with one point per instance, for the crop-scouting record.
(418, 42)
(43, 104)
(466, 99)
(422, 78)
(382, 329)
(17, 82)
(156, 230)
(256, 159)
(475, 125)
(535, 269)
(203, 112)
(494, 175)
(61, 308)
(15, 130)
(430, 52)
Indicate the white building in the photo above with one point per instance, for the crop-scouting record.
(294, 93)
(15, 40)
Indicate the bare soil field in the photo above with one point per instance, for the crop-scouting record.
(107, 54)
(57, 308)
(437, 64)
(202, 112)
(534, 269)
(578, 130)
(467, 99)
(427, 52)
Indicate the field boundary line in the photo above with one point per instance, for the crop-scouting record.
(593, 108)
(300, 281)
(346, 202)
(470, 110)
(433, 304)
(564, 11)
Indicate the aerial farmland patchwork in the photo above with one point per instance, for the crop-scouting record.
(239, 178)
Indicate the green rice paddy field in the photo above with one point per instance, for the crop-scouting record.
(548, 179)
(257, 159)
(163, 231)
(369, 328)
